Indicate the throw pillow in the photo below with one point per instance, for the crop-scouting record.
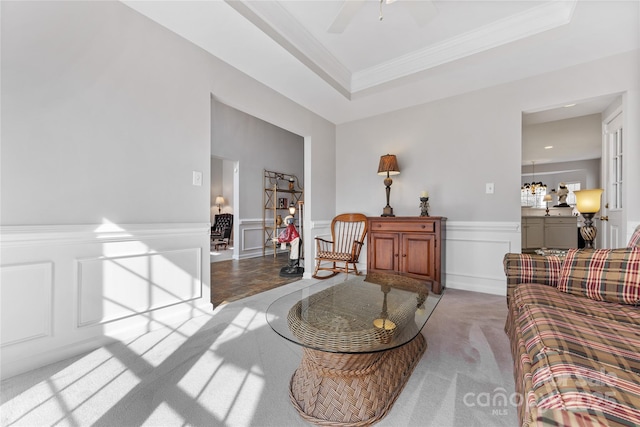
(603, 274)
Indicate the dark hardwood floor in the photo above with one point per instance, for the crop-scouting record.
(235, 279)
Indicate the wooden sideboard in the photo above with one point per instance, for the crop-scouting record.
(410, 245)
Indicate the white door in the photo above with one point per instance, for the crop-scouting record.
(611, 226)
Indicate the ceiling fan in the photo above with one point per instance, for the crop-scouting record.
(421, 10)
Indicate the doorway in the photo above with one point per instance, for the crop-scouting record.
(247, 146)
(223, 199)
(566, 145)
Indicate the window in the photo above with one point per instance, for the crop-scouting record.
(615, 177)
(533, 200)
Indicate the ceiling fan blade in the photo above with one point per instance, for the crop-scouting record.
(347, 11)
(422, 11)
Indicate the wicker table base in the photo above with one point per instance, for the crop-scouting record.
(338, 389)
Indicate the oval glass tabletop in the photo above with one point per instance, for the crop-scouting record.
(362, 314)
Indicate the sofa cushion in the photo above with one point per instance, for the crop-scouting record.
(564, 382)
(543, 295)
(562, 418)
(554, 330)
(584, 363)
(603, 274)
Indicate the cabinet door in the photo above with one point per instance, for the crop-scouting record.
(561, 233)
(384, 251)
(418, 255)
(533, 233)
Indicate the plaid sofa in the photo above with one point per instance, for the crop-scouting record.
(574, 327)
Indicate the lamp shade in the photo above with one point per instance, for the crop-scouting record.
(588, 201)
(219, 200)
(388, 164)
(547, 198)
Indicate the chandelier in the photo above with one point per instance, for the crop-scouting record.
(534, 186)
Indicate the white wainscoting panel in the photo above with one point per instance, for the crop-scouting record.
(321, 229)
(252, 238)
(132, 285)
(68, 289)
(26, 302)
(474, 253)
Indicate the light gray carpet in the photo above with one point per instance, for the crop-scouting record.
(230, 369)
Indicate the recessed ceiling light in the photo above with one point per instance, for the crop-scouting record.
(548, 147)
(569, 105)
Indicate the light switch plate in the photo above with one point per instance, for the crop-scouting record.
(489, 187)
(197, 178)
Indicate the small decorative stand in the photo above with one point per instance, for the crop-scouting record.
(424, 206)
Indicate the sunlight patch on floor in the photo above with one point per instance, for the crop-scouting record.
(246, 320)
(162, 414)
(235, 392)
(89, 404)
(86, 389)
(247, 400)
(194, 383)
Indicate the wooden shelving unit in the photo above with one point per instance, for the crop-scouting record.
(280, 190)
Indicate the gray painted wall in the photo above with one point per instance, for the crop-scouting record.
(449, 148)
(106, 114)
(256, 145)
(577, 138)
(453, 147)
(104, 117)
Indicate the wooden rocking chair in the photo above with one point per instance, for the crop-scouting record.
(347, 238)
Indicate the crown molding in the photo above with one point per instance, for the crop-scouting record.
(282, 27)
(513, 28)
(275, 21)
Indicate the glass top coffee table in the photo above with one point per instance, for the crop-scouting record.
(361, 340)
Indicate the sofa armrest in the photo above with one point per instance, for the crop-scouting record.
(529, 268)
(635, 238)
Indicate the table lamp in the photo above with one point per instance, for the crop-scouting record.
(219, 203)
(388, 166)
(588, 204)
(547, 199)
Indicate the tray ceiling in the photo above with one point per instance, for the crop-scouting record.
(350, 65)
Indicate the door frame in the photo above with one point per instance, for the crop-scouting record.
(612, 219)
